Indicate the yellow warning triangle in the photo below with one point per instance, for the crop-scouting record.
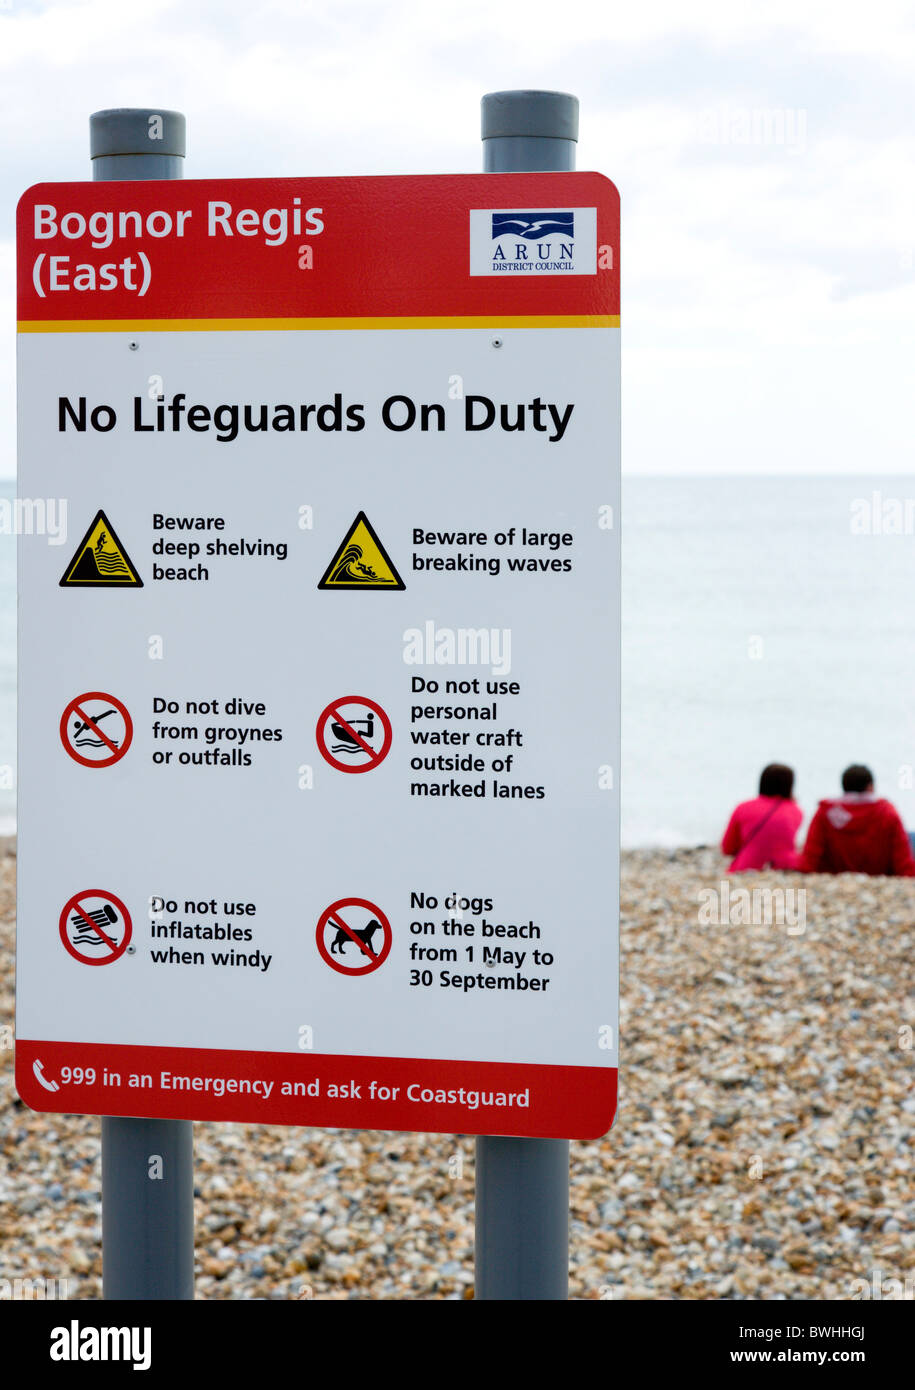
(361, 561)
(100, 560)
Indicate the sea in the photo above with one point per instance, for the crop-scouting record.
(764, 619)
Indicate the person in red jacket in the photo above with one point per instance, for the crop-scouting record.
(857, 833)
(761, 832)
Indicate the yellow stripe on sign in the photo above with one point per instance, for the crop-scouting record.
(315, 325)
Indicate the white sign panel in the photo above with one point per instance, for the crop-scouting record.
(319, 695)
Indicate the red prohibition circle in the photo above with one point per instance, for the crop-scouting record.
(75, 903)
(74, 708)
(331, 711)
(334, 913)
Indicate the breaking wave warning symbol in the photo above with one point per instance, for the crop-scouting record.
(533, 226)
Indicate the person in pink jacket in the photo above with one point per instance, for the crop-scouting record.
(761, 832)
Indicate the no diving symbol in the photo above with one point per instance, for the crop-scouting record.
(95, 927)
(357, 929)
(354, 734)
(96, 729)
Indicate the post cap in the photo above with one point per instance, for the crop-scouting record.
(136, 130)
(553, 115)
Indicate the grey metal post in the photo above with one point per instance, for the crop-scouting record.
(147, 1209)
(137, 143)
(522, 1185)
(526, 132)
(147, 1165)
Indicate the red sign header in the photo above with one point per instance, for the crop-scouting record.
(438, 246)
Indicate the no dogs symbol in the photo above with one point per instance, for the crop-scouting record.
(354, 936)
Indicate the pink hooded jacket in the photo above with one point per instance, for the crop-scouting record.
(761, 833)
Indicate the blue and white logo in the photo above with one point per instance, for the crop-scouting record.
(534, 226)
(533, 241)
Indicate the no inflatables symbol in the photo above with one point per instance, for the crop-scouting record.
(88, 739)
(354, 734)
(95, 927)
(353, 924)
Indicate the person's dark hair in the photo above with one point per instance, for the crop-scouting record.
(776, 780)
(857, 778)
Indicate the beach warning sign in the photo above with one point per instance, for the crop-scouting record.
(363, 851)
(356, 926)
(95, 927)
(100, 560)
(354, 734)
(361, 561)
(96, 729)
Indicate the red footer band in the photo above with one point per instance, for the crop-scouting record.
(307, 1088)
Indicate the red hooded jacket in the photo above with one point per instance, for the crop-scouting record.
(857, 833)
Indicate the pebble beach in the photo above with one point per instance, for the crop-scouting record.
(764, 1146)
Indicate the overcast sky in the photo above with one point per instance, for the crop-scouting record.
(764, 154)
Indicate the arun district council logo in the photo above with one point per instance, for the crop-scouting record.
(533, 241)
(537, 236)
